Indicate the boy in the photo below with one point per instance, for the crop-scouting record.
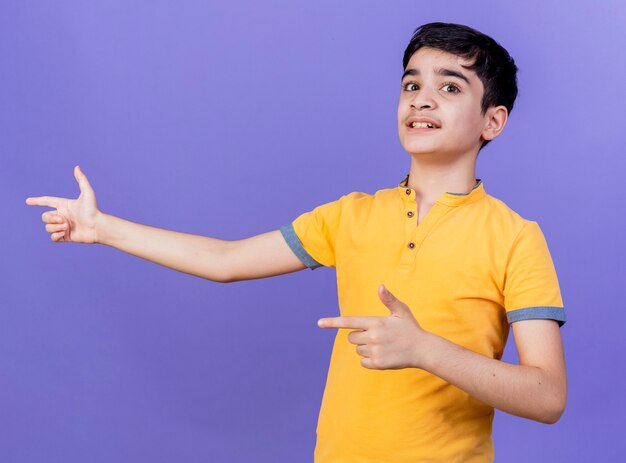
(414, 375)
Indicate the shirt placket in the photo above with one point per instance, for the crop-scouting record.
(414, 233)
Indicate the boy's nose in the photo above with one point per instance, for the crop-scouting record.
(421, 106)
(423, 99)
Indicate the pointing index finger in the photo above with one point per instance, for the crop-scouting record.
(49, 201)
(362, 323)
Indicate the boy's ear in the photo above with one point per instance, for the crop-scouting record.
(495, 120)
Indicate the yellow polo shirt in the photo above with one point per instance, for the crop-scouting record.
(468, 270)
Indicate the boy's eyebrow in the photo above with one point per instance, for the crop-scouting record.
(439, 72)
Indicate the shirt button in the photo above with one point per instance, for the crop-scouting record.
(410, 213)
(408, 191)
(411, 245)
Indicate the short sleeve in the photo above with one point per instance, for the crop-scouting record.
(312, 235)
(531, 287)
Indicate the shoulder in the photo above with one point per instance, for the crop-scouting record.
(519, 240)
(362, 204)
(361, 199)
(509, 222)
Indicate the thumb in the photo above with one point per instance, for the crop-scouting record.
(83, 183)
(395, 306)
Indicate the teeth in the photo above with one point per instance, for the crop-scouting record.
(421, 125)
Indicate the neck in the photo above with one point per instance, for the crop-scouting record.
(430, 179)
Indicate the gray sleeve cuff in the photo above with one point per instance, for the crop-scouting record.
(530, 313)
(294, 243)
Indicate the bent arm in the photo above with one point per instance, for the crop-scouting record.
(534, 389)
(217, 260)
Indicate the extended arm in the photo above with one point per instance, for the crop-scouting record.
(81, 221)
(224, 261)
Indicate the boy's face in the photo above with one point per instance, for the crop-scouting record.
(450, 102)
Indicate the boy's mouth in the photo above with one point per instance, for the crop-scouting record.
(422, 123)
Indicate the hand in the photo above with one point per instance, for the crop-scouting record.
(390, 342)
(74, 219)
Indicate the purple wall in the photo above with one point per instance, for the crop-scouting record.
(229, 119)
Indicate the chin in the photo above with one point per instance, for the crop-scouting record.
(421, 148)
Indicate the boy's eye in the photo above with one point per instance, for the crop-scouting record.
(456, 89)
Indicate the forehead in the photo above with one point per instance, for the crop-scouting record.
(426, 60)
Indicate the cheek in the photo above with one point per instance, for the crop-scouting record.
(467, 121)
(400, 126)
(400, 111)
